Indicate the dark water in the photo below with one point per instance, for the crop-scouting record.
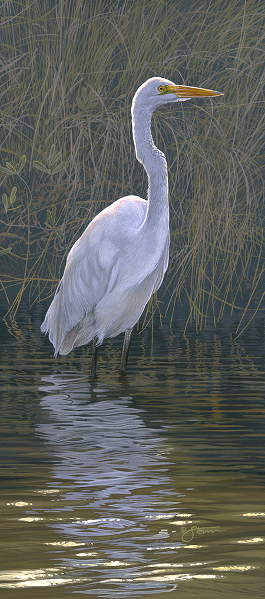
(135, 486)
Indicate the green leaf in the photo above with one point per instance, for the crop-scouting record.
(13, 194)
(6, 171)
(51, 216)
(5, 250)
(11, 167)
(5, 199)
(22, 162)
(52, 153)
(54, 157)
(57, 169)
(41, 167)
(57, 158)
(8, 201)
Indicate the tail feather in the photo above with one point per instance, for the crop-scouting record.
(81, 334)
(56, 325)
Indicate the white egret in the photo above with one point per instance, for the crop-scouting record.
(120, 259)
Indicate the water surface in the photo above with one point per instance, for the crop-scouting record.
(133, 486)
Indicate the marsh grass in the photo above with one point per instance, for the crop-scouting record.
(69, 69)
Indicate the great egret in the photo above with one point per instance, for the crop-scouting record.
(120, 259)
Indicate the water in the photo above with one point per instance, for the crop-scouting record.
(133, 486)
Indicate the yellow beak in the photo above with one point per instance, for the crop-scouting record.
(184, 91)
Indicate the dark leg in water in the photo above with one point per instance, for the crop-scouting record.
(93, 369)
(125, 349)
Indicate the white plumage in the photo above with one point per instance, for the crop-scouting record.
(120, 259)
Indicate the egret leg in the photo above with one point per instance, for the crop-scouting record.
(93, 369)
(125, 349)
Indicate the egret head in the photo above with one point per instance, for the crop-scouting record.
(158, 91)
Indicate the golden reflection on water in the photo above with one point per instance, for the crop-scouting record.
(254, 515)
(65, 544)
(33, 578)
(234, 568)
(47, 582)
(254, 540)
(19, 503)
(175, 547)
(134, 485)
(166, 578)
(46, 491)
(31, 519)
(87, 554)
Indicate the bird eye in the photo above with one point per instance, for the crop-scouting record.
(160, 88)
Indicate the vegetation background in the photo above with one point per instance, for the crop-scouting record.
(69, 69)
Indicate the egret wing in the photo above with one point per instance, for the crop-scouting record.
(90, 272)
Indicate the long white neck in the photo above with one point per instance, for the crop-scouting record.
(155, 165)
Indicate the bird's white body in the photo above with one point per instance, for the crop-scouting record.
(120, 260)
(100, 294)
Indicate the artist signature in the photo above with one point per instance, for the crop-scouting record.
(187, 534)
